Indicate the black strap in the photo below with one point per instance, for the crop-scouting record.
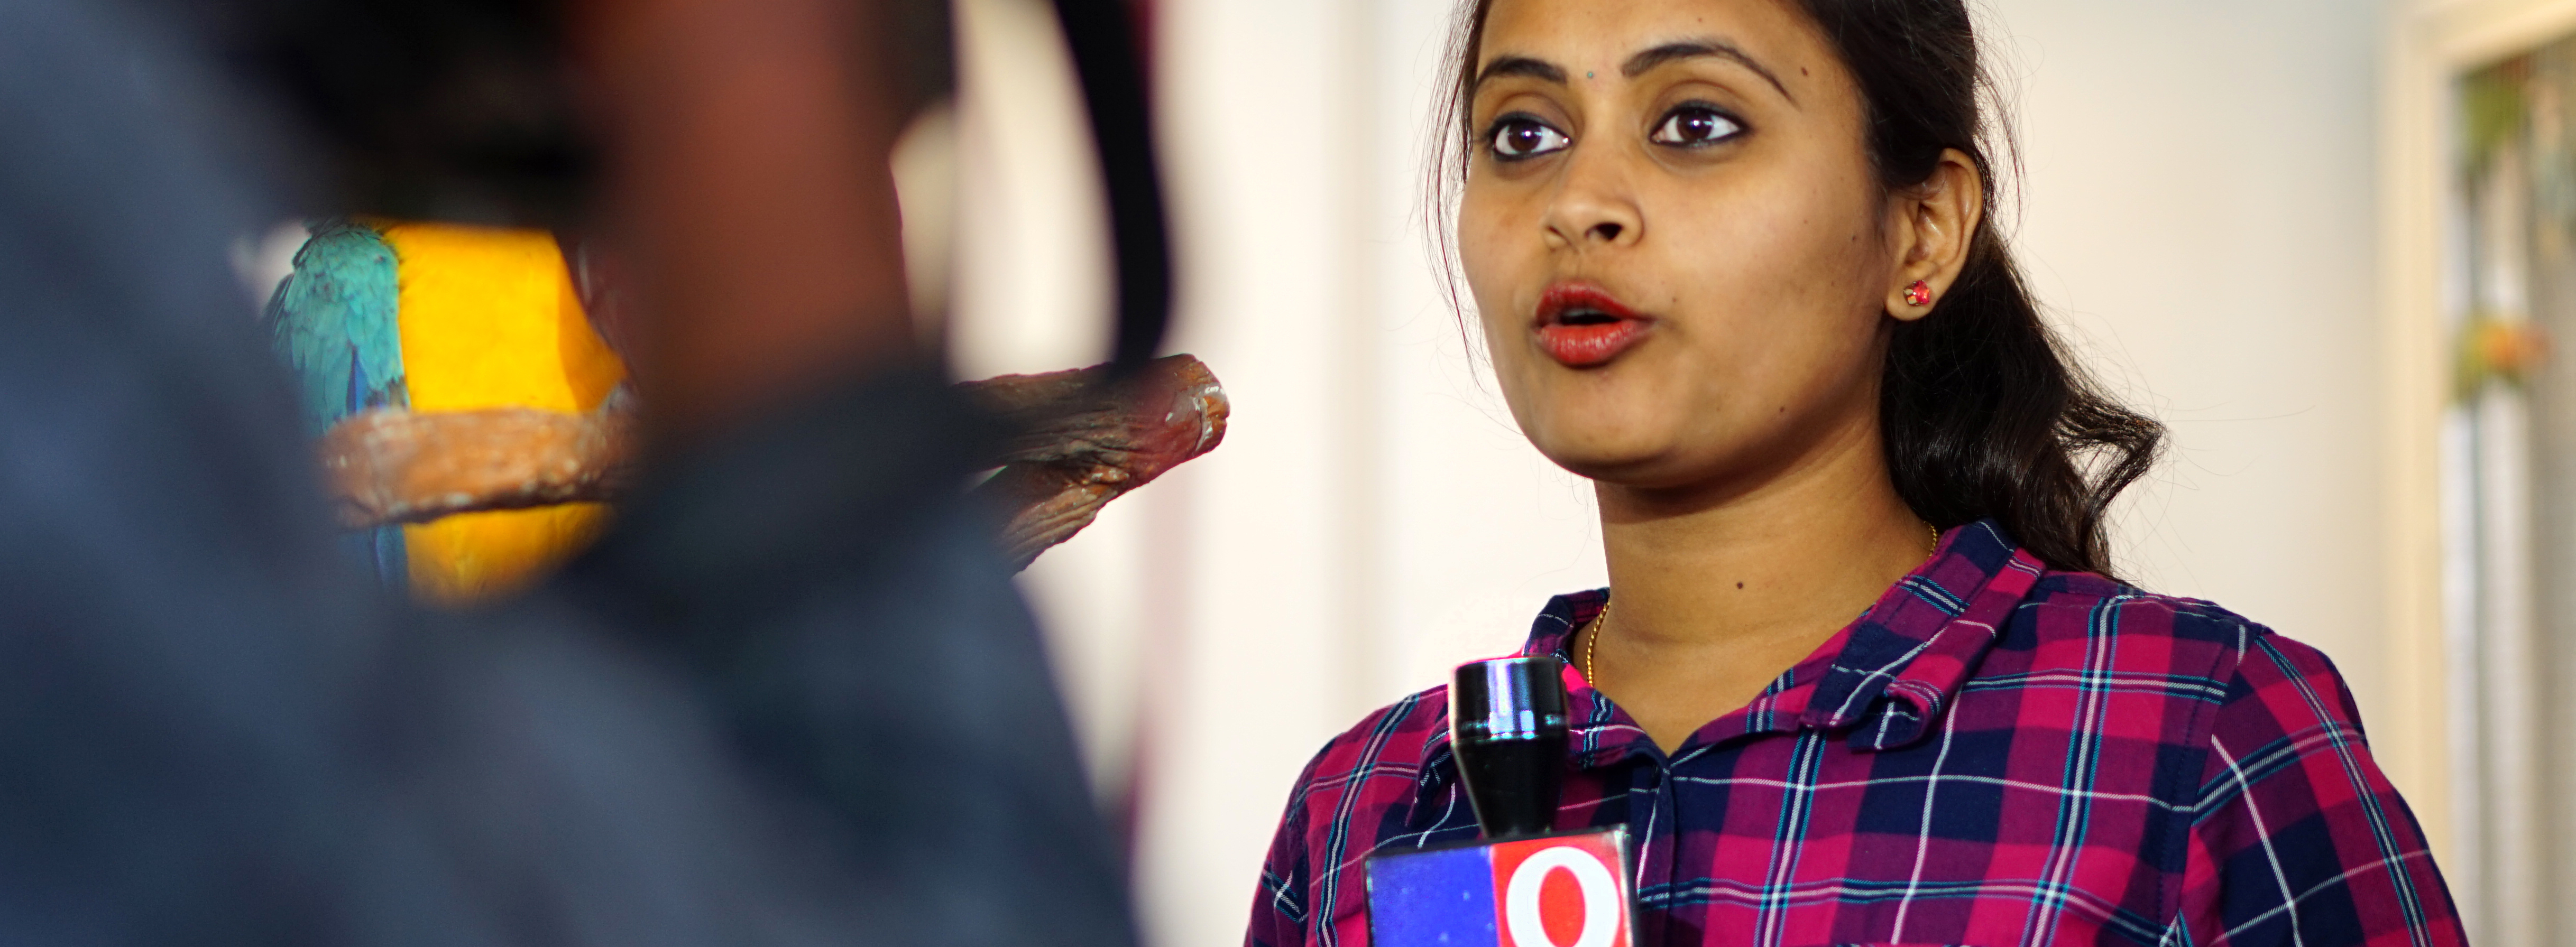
(1105, 55)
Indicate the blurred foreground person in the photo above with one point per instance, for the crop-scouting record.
(791, 698)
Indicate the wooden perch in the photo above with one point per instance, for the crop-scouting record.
(1078, 445)
(1082, 444)
(398, 467)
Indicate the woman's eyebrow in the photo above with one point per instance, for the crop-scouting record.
(1519, 66)
(1693, 49)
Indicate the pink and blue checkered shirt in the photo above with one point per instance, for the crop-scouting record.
(1995, 754)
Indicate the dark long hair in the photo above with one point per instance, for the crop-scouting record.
(1981, 411)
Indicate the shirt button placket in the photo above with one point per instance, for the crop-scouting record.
(1653, 827)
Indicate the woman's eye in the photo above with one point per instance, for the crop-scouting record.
(1694, 125)
(1517, 138)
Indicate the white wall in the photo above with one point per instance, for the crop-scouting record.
(2199, 210)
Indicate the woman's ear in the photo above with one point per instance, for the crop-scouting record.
(1931, 226)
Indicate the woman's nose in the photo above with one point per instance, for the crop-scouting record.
(1593, 205)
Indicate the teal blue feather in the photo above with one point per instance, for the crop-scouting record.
(335, 322)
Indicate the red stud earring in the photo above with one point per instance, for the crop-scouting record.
(1919, 294)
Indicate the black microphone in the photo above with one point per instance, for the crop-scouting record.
(1507, 726)
(1508, 729)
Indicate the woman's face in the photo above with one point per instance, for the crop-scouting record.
(1675, 237)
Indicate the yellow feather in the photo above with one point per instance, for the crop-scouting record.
(490, 319)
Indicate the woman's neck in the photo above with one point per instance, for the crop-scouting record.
(1716, 590)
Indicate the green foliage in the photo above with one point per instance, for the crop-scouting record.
(2491, 111)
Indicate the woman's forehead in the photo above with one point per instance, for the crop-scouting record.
(1602, 36)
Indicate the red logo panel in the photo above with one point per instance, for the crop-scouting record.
(1569, 891)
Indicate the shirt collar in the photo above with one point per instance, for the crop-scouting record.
(1904, 660)
(1886, 677)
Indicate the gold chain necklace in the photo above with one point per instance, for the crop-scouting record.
(1601, 623)
(1592, 647)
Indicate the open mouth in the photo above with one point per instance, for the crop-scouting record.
(1581, 325)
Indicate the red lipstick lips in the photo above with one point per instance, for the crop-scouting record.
(1582, 325)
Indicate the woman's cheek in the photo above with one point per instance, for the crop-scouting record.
(1491, 274)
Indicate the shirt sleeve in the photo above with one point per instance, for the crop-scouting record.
(1279, 908)
(2299, 839)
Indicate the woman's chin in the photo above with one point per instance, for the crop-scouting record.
(1619, 461)
(1652, 460)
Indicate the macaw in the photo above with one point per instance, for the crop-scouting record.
(443, 317)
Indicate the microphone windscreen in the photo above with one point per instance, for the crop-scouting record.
(1507, 727)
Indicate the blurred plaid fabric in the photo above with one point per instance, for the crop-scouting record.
(1996, 753)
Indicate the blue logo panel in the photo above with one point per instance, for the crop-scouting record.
(1436, 898)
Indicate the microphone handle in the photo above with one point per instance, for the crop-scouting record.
(1515, 784)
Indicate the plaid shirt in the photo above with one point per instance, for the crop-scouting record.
(1995, 754)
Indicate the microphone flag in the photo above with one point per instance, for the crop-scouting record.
(1564, 890)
